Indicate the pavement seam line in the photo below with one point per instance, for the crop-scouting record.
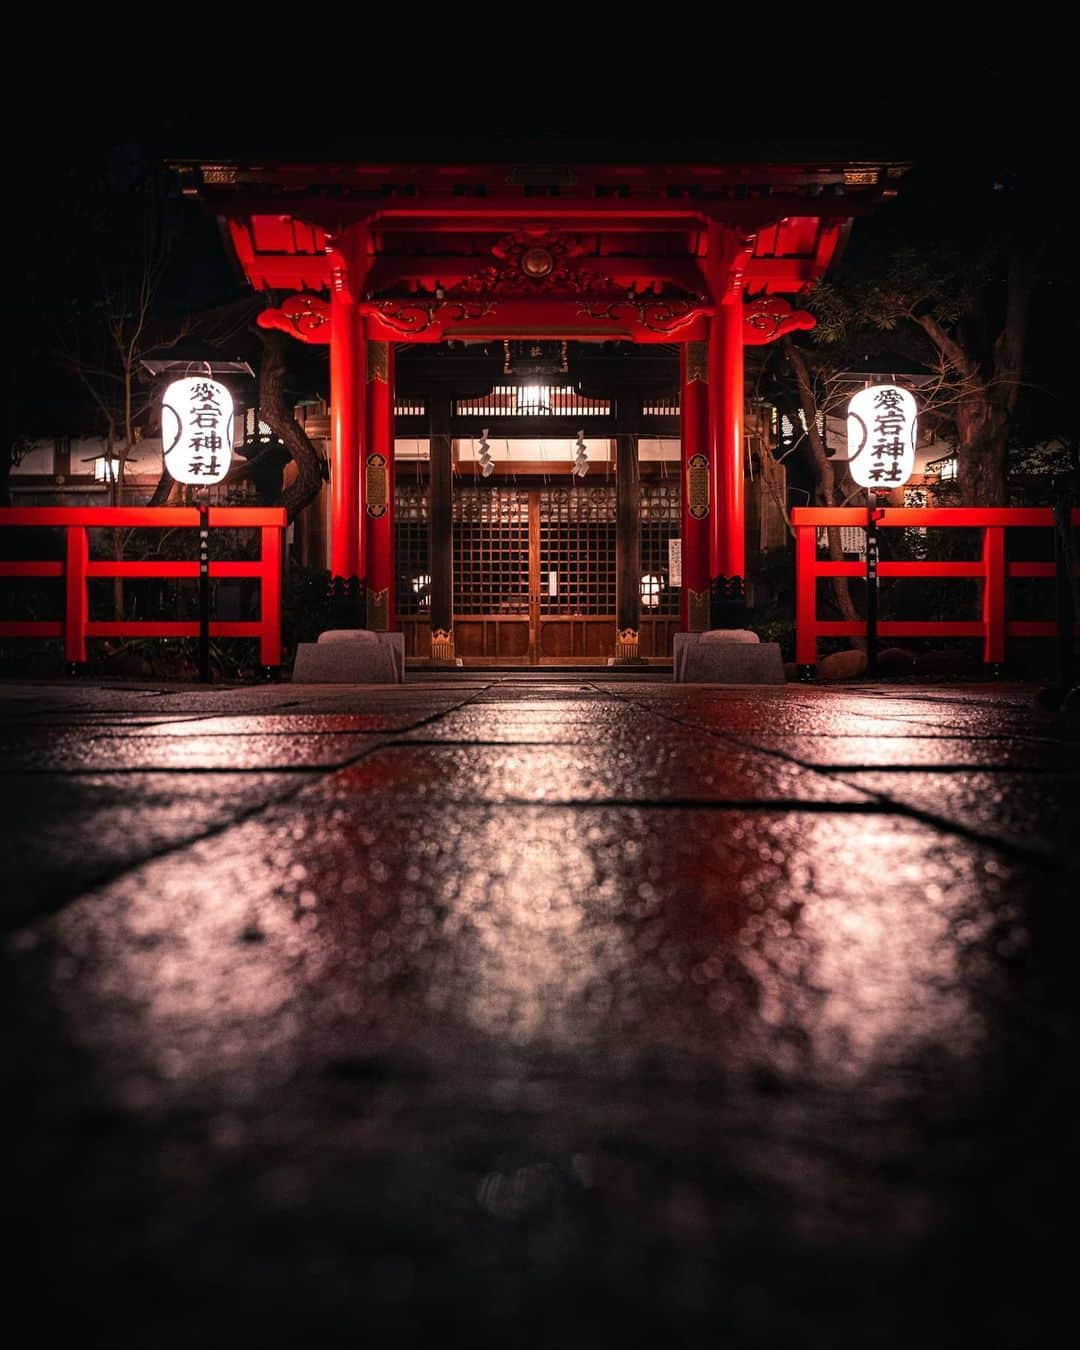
(943, 824)
(109, 878)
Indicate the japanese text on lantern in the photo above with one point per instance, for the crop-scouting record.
(196, 430)
(882, 427)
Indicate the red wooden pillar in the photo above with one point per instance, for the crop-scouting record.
(347, 381)
(995, 582)
(76, 602)
(806, 595)
(379, 487)
(270, 596)
(696, 488)
(727, 534)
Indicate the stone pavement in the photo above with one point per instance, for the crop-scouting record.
(538, 1011)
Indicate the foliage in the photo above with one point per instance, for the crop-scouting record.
(305, 611)
(888, 293)
(951, 275)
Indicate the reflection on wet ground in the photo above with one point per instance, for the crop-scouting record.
(540, 1013)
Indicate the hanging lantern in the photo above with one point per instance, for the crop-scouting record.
(197, 430)
(106, 468)
(882, 426)
(651, 586)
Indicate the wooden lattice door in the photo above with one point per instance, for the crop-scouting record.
(493, 575)
(576, 530)
(534, 574)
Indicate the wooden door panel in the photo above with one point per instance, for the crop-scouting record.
(534, 576)
(486, 638)
(417, 636)
(599, 638)
(514, 639)
(556, 638)
(469, 638)
(507, 542)
(657, 638)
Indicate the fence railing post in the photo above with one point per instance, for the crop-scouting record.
(806, 595)
(994, 591)
(76, 601)
(270, 597)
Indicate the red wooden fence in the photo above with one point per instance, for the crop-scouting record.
(992, 569)
(76, 626)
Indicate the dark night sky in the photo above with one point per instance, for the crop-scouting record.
(965, 121)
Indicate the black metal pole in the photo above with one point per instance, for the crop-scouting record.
(204, 592)
(871, 587)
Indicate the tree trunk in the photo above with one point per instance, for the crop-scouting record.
(7, 463)
(987, 404)
(982, 431)
(165, 484)
(275, 411)
(824, 483)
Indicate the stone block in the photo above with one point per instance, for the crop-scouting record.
(333, 635)
(714, 660)
(351, 656)
(743, 635)
(896, 661)
(847, 665)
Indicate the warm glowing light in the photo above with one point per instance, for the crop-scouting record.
(945, 468)
(197, 430)
(882, 427)
(106, 469)
(651, 586)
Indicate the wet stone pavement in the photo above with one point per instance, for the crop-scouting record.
(550, 1011)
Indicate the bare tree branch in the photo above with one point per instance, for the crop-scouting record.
(277, 413)
(824, 476)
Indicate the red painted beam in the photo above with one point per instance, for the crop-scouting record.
(901, 569)
(247, 517)
(128, 517)
(1033, 569)
(966, 516)
(646, 320)
(288, 272)
(393, 271)
(898, 628)
(1030, 628)
(36, 628)
(173, 629)
(31, 569)
(93, 516)
(781, 274)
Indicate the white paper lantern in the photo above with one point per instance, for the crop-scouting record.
(882, 427)
(197, 430)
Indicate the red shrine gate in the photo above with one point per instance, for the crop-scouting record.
(365, 258)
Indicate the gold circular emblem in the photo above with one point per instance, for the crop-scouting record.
(537, 262)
